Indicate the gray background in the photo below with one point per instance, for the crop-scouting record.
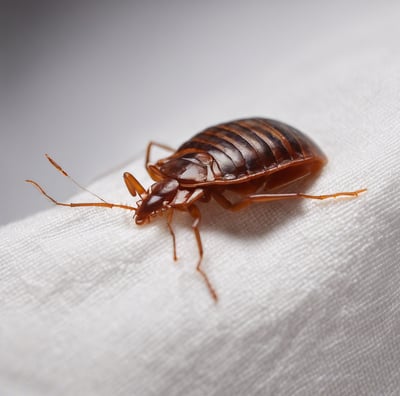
(91, 83)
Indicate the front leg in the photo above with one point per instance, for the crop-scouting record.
(195, 213)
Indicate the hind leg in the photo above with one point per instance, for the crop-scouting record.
(242, 203)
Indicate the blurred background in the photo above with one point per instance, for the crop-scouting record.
(91, 82)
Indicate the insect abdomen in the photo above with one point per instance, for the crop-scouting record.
(248, 146)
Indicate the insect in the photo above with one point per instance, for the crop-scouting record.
(250, 157)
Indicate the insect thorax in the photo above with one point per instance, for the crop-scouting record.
(190, 167)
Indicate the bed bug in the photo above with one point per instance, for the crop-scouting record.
(251, 157)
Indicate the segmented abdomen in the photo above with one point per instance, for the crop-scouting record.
(248, 146)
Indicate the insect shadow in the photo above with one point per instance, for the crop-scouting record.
(256, 220)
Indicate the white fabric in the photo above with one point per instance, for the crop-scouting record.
(309, 291)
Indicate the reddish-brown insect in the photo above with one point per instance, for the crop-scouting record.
(249, 157)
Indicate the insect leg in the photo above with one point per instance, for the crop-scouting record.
(150, 146)
(222, 200)
(276, 197)
(133, 184)
(169, 221)
(73, 205)
(195, 213)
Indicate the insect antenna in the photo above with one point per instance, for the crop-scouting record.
(103, 204)
(64, 173)
(76, 204)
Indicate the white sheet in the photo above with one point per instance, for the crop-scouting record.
(309, 291)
